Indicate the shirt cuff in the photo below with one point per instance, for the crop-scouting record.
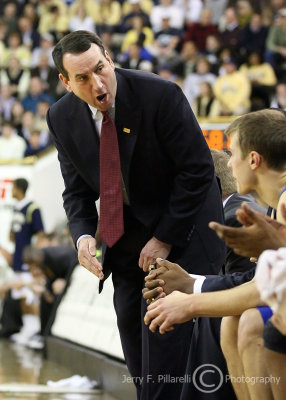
(79, 239)
(199, 280)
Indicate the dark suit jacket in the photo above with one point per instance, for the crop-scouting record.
(239, 269)
(166, 164)
(222, 282)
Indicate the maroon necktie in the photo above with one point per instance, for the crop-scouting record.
(111, 226)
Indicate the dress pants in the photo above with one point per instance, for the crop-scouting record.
(209, 379)
(156, 362)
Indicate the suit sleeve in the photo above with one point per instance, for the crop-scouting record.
(182, 140)
(214, 283)
(79, 199)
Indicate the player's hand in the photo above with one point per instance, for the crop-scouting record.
(164, 313)
(166, 278)
(259, 233)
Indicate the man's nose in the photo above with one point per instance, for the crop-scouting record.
(96, 82)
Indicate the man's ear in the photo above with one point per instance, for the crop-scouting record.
(107, 56)
(255, 160)
(65, 82)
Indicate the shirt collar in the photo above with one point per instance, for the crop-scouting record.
(22, 203)
(96, 114)
(226, 200)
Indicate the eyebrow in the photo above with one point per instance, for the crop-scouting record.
(95, 68)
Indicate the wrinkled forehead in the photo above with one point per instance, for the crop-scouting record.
(83, 62)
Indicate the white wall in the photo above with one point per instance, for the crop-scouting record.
(86, 317)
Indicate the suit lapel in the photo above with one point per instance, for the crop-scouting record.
(127, 120)
(83, 138)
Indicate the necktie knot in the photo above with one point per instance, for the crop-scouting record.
(107, 120)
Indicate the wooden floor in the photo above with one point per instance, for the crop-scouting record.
(21, 365)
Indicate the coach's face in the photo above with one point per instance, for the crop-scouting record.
(91, 77)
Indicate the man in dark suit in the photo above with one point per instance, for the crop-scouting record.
(169, 193)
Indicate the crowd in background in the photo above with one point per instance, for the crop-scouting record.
(228, 56)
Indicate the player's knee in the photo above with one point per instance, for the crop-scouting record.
(250, 330)
(228, 334)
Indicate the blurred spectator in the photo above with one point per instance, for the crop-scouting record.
(279, 99)
(30, 12)
(44, 7)
(107, 15)
(191, 9)
(90, 7)
(10, 16)
(47, 74)
(46, 47)
(244, 12)
(166, 42)
(135, 8)
(3, 37)
(12, 147)
(110, 45)
(206, 105)
(232, 90)
(30, 36)
(146, 65)
(213, 47)
(262, 78)
(186, 62)
(166, 72)
(129, 6)
(138, 34)
(6, 101)
(17, 112)
(253, 36)
(40, 122)
(167, 8)
(134, 58)
(225, 53)
(270, 9)
(35, 94)
(16, 48)
(16, 77)
(191, 86)
(229, 29)
(27, 125)
(81, 21)
(199, 31)
(275, 53)
(54, 21)
(34, 145)
(31, 121)
(217, 8)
